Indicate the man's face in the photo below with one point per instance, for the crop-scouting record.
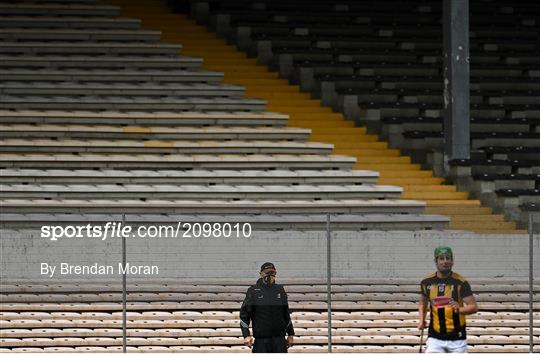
(269, 276)
(444, 263)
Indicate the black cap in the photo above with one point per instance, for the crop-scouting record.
(267, 265)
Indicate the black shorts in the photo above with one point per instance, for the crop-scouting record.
(270, 345)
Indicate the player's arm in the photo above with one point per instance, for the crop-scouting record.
(246, 312)
(469, 302)
(287, 316)
(422, 310)
(469, 306)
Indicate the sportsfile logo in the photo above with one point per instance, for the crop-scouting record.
(119, 229)
(110, 229)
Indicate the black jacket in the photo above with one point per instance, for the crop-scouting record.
(268, 308)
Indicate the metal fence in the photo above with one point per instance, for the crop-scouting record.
(502, 258)
(328, 249)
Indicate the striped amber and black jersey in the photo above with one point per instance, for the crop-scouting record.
(445, 324)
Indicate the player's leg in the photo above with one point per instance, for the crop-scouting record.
(457, 346)
(279, 345)
(261, 345)
(434, 345)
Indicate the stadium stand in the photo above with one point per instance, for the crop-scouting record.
(93, 95)
(100, 118)
(380, 64)
(369, 316)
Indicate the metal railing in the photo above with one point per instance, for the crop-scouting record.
(532, 249)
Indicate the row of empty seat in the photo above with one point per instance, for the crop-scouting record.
(84, 92)
(369, 315)
(385, 71)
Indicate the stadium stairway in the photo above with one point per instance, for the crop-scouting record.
(326, 126)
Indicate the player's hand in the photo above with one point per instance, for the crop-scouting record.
(454, 305)
(248, 341)
(422, 325)
(290, 341)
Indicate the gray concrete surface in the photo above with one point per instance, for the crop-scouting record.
(296, 254)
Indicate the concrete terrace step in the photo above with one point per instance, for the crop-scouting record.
(154, 132)
(78, 35)
(57, 2)
(111, 76)
(233, 305)
(176, 119)
(297, 284)
(136, 206)
(162, 320)
(218, 344)
(164, 147)
(182, 161)
(222, 332)
(58, 10)
(488, 286)
(102, 101)
(267, 177)
(198, 192)
(86, 48)
(52, 22)
(119, 90)
(57, 62)
(267, 221)
(192, 296)
(309, 347)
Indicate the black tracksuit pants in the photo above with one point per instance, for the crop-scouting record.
(270, 345)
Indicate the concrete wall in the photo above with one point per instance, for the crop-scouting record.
(296, 254)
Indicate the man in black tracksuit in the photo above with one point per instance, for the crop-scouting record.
(267, 306)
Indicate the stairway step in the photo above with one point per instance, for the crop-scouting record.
(247, 82)
(247, 76)
(387, 167)
(407, 174)
(233, 68)
(296, 109)
(430, 188)
(282, 90)
(360, 145)
(218, 62)
(323, 124)
(411, 181)
(383, 159)
(481, 224)
(348, 138)
(473, 218)
(452, 202)
(438, 195)
(339, 132)
(367, 152)
(457, 210)
(496, 231)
